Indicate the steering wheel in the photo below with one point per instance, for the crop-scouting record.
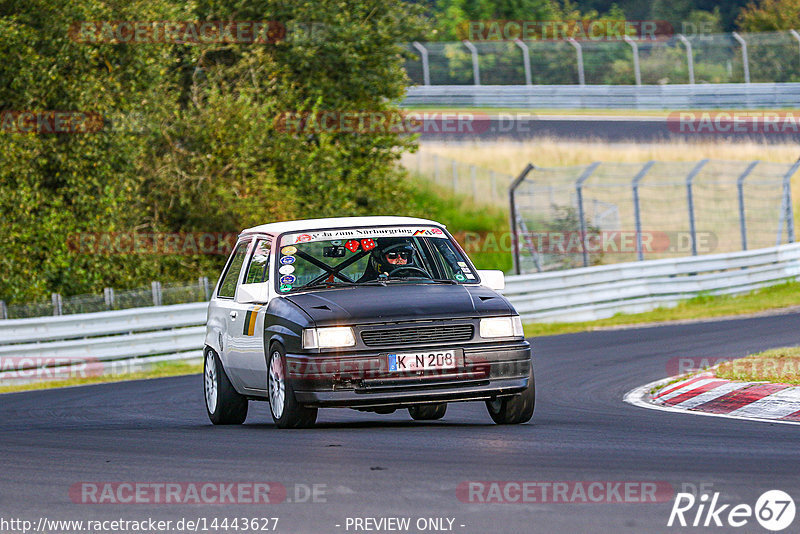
(410, 268)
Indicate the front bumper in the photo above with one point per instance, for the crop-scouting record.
(361, 380)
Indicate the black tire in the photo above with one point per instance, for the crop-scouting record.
(224, 405)
(427, 412)
(290, 414)
(514, 409)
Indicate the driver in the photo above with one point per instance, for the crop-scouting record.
(390, 255)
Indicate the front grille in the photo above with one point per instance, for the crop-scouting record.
(417, 335)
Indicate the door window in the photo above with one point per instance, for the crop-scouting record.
(227, 289)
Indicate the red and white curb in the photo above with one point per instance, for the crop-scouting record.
(704, 394)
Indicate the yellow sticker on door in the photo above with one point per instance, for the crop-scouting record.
(250, 321)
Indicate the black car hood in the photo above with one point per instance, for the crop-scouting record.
(399, 302)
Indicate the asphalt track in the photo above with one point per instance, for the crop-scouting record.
(387, 465)
(523, 127)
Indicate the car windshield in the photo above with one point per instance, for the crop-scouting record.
(356, 256)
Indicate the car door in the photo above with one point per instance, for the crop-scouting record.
(223, 311)
(246, 346)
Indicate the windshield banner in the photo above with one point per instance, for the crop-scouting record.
(359, 233)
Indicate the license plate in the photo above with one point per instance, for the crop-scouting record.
(420, 361)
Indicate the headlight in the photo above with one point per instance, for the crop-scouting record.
(328, 338)
(501, 327)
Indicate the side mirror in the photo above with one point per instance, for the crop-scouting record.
(493, 279)
(253, 293)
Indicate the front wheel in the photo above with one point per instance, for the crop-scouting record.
(514, 409)
(286, 412)
(224, 405)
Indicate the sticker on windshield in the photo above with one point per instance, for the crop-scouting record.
(285, 288)
(289, 250)
(368, 244)
(288, 279)
(337, 242)
(460, 277)
(287, 260)
(352, 246)
(470, 275)
(303, 238)
(286, 269)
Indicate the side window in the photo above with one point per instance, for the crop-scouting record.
(258, 270)
(227, 289)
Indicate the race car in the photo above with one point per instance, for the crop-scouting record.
(371, 313)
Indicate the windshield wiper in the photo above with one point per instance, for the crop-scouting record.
(339, 283)
(444, 281)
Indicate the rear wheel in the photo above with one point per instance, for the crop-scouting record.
(514, 409)
(286, 412)
(224, 405)
(427, 412)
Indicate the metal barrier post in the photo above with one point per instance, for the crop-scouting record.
(795, 35)
(512, 209)
(527, 59)
(57, 306)
(787, 212)
(423, 53)
(3, 310)
(745, 62)
(636, 213)
(204, 286)
(690, 201)
(108, 296)
(476, 71)
(740, 192)
(579, 190)
(689, 56)
(637, 73)
(156, 288)
(579, 54)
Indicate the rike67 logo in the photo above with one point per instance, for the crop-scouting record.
(774, 510)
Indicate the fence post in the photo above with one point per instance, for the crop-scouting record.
(204, 286)
(787, 212)
(57, 305)
(527, 59)
(3, 310)
(476, 71)
(637, 74)
(108, 296)
(455, 175)
(636, 213)
(795, 35)
(581, 216)
(474, 178)
(423, 53)
(579, 54)
(745, 62)
(156, 288)
(689, 56)
(690, 202)
(740, 193)
(512, 210)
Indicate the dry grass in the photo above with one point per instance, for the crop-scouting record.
(776, 365)
(511, 156)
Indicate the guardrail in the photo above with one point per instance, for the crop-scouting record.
(177, 332)
(675, 97)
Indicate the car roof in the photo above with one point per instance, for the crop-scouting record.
(334, 222)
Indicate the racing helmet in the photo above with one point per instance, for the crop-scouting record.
(391, 247)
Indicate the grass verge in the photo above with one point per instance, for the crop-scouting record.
(158, 370)
(777, 365)
(704, 306)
